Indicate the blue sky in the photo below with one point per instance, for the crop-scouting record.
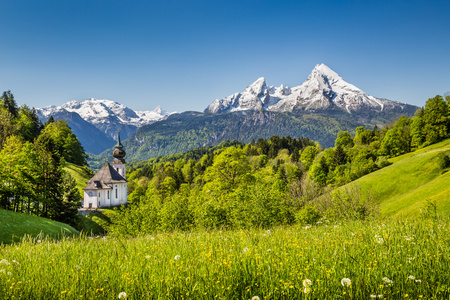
(184, 54)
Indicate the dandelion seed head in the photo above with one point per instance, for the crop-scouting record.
(177, 257)
(255, 298)
(307, 283)
(122, 295)
(410, 277)
(346, 282)
(306, 290)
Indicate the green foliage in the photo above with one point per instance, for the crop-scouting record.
(32, 179)
(66, 143)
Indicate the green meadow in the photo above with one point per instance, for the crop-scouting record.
(414, 182)
(354, 260)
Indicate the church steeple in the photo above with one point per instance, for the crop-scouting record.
(119, 153)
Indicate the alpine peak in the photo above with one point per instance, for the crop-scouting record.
(324, 89)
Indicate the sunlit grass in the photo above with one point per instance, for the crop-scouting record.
(404, 187)
(237, 264)
(14, 225)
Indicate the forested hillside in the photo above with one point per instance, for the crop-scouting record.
(189, 130)
(276, 181)
(32, 159)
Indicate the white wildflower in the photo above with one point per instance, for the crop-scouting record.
(16, 262)
(418, 280)
(147, 256)
(4, 262)
(269, 232)
(410, 277)
(122, 295)
(2, 271)
(245, 249)
(177, 257)
(380, 241)
(387, 280)
(306, 290)
(255, 298)
(307, 226)
(9, 274)
(268, 250)
(346, 282)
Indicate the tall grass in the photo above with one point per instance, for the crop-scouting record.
(393, 259)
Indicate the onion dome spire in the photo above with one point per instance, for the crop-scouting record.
(119, 153)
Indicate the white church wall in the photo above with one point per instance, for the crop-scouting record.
(90, 199)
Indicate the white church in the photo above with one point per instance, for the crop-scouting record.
(108, 187)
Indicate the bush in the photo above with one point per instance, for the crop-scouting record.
(309, 214)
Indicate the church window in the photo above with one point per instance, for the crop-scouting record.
(108, 194)
(116, 192)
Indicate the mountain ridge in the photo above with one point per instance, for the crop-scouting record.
(97, 121)
(323, 90)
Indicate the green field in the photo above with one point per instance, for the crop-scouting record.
(14, 226)
(405, 187)
(394, 259)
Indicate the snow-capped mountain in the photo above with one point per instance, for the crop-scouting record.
(323, 90)
(105, 115)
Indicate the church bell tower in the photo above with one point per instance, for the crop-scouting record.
(119, 161)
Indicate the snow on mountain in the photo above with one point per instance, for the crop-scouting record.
(323, 90)
(106, 115)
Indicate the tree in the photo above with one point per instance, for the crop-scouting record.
(66, 143)
(417, 130)
(9, 103)
(71, 201)
(7, 126)
(228, 170)
(308, 155)
(28, 124)
(16, 174)
(344, 139)
(436, 118)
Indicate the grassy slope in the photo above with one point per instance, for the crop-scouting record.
(80, 175)
(404, 187)
(13, 226)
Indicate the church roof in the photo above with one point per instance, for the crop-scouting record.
(106, 175)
